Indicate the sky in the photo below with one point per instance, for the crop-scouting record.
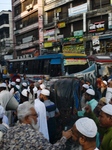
(5, 5)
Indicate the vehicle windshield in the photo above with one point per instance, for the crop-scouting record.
(72, 65)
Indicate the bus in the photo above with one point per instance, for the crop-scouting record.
(50, 64)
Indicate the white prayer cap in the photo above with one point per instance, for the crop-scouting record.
(24, 84)
(2, 111)
(86, 126)
(18, 87)
(109, 80)
(42, 86)
(25, 92)
(13, 83)
(86, 86)
(3, 85)
(45, 92)
(90, 92)
(17, 80)
(105, 82)
(107, 109)
(39, 81)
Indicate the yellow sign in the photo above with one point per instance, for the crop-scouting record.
(61, 25)
(74, 61)
(48, 44)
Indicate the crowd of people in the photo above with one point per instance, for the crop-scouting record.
(28, 117)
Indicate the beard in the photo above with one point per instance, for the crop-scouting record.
(34, 125)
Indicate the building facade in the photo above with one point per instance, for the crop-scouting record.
(26, 27)
(61, 26)
(78, 26)
(6, 34)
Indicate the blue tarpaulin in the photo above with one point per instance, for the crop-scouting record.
(55, 61)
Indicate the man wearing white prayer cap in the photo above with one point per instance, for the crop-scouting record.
(3, 85)
(42, 119)
(24, 86)
(89, 99)
(105, 120)
(83, 90)
(104, 123)
(86, 86)
(103, 88)
(24, 96)
(18, 80)
(13, 83)
(51, 113)
(40, 81)
(12, 87)
(84, 131)
(41, 87)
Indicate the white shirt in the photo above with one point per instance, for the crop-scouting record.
(38, 93)
(108, 94)
(5, 120)
(42, 120)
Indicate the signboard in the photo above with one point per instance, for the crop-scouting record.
(72, 61)
(49, 32)
(48, 44)
(73, 49)
(77, 10)
(96, 43)
(61, 25)
(97, 26)
(78, 33)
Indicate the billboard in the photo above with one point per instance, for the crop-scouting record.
(77, 10)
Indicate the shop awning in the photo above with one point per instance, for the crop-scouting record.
(55, 61)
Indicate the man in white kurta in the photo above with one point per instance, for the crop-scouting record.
(42, 120)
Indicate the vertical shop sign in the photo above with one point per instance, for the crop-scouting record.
(95, 43)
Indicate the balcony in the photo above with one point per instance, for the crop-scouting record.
(26, 29)
(4, 26)
(27, 45)
(17, 2)
(55, 4)
(26, 13)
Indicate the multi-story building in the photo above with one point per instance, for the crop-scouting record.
(6, 35)
(62, 25)
(27, 26)
(78, 26)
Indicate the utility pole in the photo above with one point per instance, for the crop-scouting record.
(101, 8)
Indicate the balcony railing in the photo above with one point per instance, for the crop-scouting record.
(26, 45)
(26, 29)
